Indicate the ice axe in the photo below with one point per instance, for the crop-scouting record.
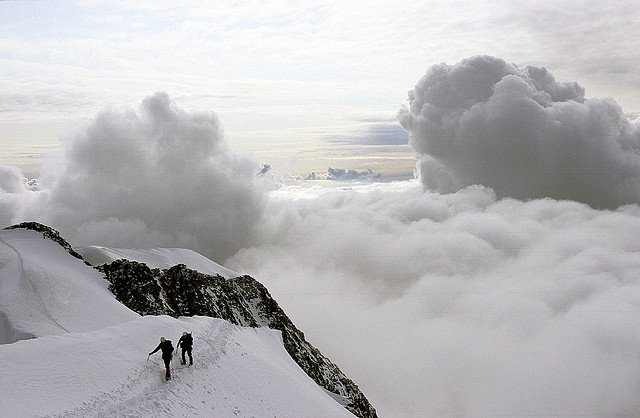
(148, 357)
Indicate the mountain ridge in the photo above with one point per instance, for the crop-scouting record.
(183, 292)
(180, 291)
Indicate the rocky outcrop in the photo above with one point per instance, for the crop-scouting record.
(179, 291)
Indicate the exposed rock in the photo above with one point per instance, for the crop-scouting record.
(180, 291)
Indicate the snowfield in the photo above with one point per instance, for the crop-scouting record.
(45, 291)
(236, 371)
(89, 357)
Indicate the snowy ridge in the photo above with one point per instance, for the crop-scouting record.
(69, 348)
(179, 291)
(237, 371)
(160, 258)
(44, 290)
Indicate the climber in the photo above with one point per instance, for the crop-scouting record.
(167, 354)
(186, 342)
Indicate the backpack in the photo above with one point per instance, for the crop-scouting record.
(167, 348)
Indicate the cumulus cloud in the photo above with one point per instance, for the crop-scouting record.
(460, 304)
(153, 176)
(341, 174)
(522, 133)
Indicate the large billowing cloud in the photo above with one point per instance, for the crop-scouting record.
(154, 176)
(522, 133)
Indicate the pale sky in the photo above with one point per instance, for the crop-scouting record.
(301, 86)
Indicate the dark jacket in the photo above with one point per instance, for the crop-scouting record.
(186, 341)
(166, 347)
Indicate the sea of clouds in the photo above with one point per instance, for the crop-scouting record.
(503, 280)
(462, 303)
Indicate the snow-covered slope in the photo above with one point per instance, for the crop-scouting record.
(179, 291)
(160, 258)
(44, 290)
(89, 354)
(237, 372)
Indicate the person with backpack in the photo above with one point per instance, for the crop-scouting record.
(167, 354)
(186, 342)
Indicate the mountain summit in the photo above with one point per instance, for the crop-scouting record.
(73, 341)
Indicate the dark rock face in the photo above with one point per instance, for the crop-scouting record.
(179, 291)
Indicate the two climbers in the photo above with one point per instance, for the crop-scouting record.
(185, 341)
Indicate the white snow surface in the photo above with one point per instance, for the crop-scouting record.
(89, 357)
(161, 258)
(237, 372)
(45, 291)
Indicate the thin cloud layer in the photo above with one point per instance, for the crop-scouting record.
(460, 304)
(522, 133)
(377, 133)
(153, 176)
